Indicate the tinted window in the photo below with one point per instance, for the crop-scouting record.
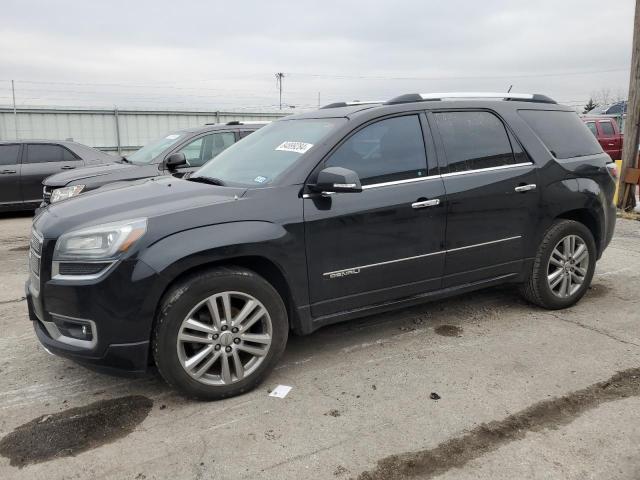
(474, 140)
(607, 129)
(48, 153)
(245, 133)
(9, 154)
(592, 126)
(563, 133)
(385, 151)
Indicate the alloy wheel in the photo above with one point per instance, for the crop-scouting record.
(224, 338)
(568, 266)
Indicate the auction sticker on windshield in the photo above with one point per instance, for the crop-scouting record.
(297, 147)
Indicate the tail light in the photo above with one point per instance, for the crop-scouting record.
(613, 170)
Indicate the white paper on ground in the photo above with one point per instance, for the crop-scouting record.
(280, 391)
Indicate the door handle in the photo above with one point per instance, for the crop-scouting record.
(67, 167)
(7, 171)
(426, 203)
(525, 188)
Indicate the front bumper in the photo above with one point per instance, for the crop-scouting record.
(120, 307)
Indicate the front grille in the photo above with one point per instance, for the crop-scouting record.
(35, 254)
(46, 194)
(36, 243)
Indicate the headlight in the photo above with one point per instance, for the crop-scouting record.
(101, 242)
(66, 192)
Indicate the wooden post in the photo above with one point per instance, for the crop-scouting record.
(626, 198)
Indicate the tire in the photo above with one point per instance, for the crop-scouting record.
(539, 288)
(202, 300)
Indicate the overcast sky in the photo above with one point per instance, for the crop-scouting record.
(223, 55)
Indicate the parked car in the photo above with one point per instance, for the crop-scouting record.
(176, 153)
(25, 163)
(606, 130)
(319, 218)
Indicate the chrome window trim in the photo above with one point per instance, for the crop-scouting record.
(488, 169)
(55, 333)
(442, 175)
(337, 273)
(400, 182)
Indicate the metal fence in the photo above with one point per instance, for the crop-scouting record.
(117, 131)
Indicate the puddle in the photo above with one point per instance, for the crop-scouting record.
(449, 331)
(75, 430)
(488, 437)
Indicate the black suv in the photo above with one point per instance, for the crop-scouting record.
(317, 218)
(25, 163)
(177, 153)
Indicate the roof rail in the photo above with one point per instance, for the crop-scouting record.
(352, 104)
(423, 97)
(238, 122)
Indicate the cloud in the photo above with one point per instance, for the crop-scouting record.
(208, 54)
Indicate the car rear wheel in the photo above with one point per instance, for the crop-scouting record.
(219, 333)
(563, 268)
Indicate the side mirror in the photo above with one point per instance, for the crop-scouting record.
(337, 179)
(174, 161)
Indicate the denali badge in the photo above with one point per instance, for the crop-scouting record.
(344, 273)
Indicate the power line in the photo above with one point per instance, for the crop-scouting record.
(478, 77)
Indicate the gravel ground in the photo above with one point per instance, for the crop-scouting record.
(482, 386)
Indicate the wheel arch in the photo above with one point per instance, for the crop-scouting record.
(588, 219)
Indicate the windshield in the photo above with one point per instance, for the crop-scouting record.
(258, 159)
(154, 148)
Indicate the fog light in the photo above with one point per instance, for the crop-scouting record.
(74, 328)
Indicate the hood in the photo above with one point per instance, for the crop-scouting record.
(156, 199)
(97, 175)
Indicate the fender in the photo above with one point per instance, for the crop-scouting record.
(576, 197)
(176, 254)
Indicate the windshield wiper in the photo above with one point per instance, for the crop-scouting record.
(125, 160)
(209, 180)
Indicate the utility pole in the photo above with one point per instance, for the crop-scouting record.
(629, 171)
(279, 77)
(15, 113)
(318, 99)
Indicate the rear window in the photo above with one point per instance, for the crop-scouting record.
(563, 133)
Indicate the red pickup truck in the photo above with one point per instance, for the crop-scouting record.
(608, 133)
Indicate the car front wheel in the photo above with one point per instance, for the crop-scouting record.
(219, 333)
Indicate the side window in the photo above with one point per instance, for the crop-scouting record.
(68, 155)
(220, 142)
(592, 127)
(9, 154)
(384, 151)
(607, 129)
(245, 133)
(474, 140)
(193, 152)
(45, 153)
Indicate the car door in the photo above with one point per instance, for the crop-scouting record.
(492, 196)
(202, 149)
(608, 139)
(385, 242)
(41, 160)
(10, 191)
